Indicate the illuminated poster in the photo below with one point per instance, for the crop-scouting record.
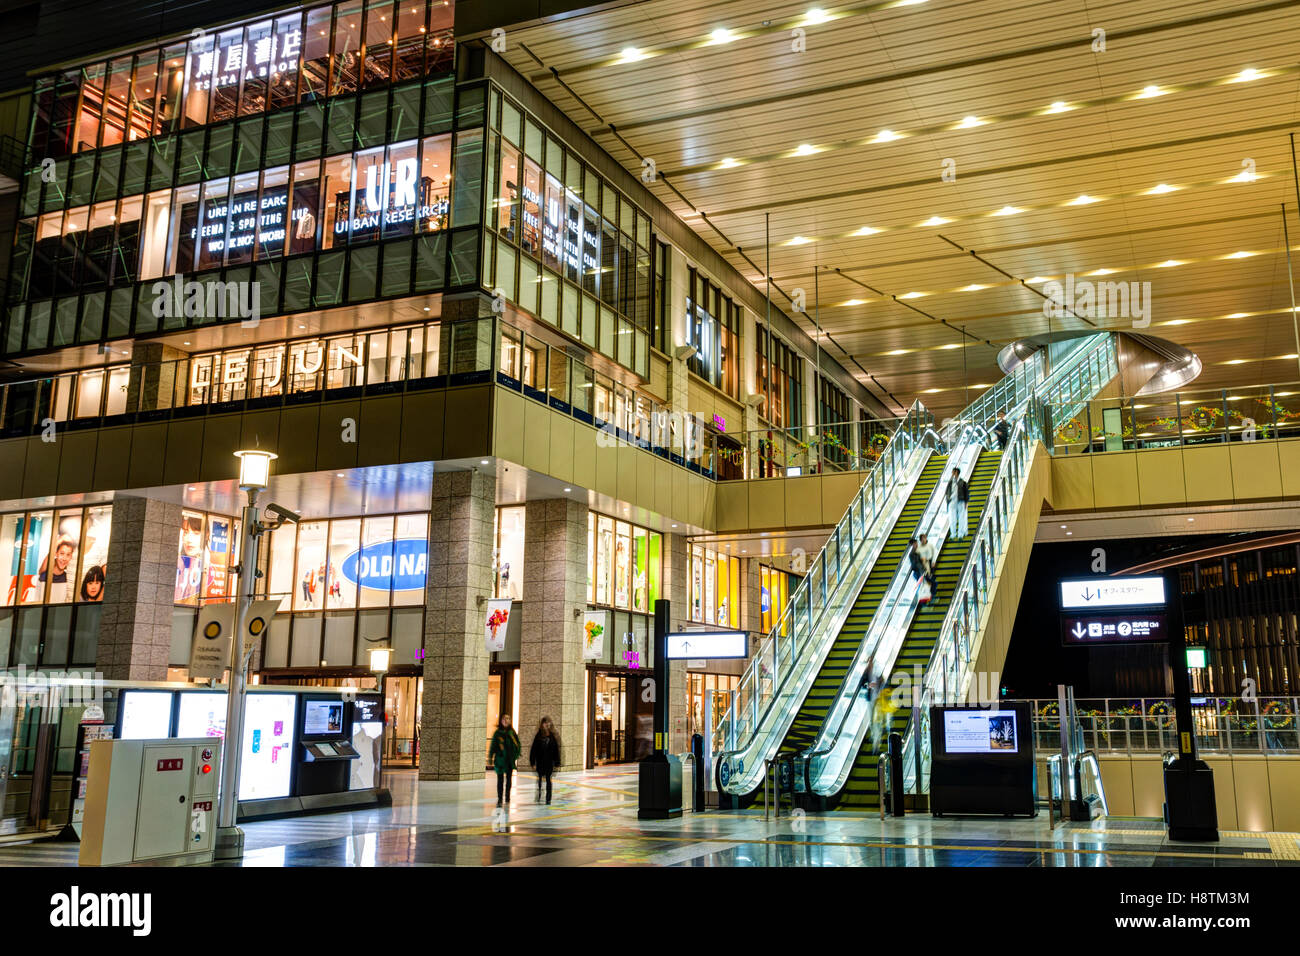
(593, 635)
(980, 731)
(146, 715)
(494, 624)
(267, 759)
(216, 583)
(38, 544)
(622, 559)
(202, 715)
(189, 561)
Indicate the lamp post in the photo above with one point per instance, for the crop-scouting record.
(254, 475)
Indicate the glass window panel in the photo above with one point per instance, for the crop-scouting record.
(40, 526)
(380, 28)
(11, 552)
(305, 207)
(531, 209)
(433, 189)
(189, 559)
(411, 558)
(316, 54)
(200, 72)
(339, 199)
(227, 71)
(347, 49)
(116, 101)
(378, 553)
(273, 213)
(510, 553)
(310, 584)
(281, 57)
(604, 558)
(344, 556)
(408, 60)
(257, 66)
(622, 565)
(282, 556)
(92, 101)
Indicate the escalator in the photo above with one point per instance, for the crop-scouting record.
(812, 714)
(860, 790)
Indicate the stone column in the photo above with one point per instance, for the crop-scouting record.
(135, 631)
(552, 675)
(464, 338)
(454, 711)
(159, 377)
(676, 575)
(751, 600)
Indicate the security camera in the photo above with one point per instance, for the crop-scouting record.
(284, 514)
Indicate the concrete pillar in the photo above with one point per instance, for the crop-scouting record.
(453, 715)
(552, 674)
(465, 335)
(751, 600)
(135, 630)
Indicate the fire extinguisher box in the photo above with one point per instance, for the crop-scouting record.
(150, 801)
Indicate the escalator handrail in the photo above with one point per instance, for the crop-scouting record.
(918, 418)
(970, 437)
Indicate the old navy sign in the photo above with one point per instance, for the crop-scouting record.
(397, 565)
(1113, 592)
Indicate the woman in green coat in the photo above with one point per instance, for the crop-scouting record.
(505, 751)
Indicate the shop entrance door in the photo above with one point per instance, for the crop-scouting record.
(622, 724)
(402, 696)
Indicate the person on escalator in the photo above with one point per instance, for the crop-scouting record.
(925, 551)
(1003, 431)
(958, 496)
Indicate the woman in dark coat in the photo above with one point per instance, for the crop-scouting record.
(545, 755)
(503, 754)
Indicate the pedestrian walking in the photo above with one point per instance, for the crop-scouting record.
(1003, 431)
(503, 754)
(544, 755)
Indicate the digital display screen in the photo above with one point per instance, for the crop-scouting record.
(980, 732)
(267, 759)
(365, 709)
(202, 715)
(700, 645)
(322, 717)
(146, 715)
(1112, 592)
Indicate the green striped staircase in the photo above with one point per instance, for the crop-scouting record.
(860, 790)
(808, 721)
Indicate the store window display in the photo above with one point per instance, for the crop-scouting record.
(715, 587)
(55, 557)
(624, 564)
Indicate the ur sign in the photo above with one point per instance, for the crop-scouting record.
(389, 565)
(377, 196)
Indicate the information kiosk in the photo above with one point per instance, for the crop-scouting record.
(982, 760)
(326, 750)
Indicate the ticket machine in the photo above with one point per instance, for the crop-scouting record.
(150, 800)
(326, 750)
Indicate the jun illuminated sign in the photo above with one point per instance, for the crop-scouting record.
(1091, 593)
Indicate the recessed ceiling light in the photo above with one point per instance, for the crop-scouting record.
(1150, 92)
(1069, 532)
(936, 221)
(1083, 199)
(185, 343)
(1063, 527)
(567, 490)
(898, 352)
(721, 35)
(855, 302)
(887, 136)
(866, 231)
(1245, 176)
(674, 526)
(426, 308)
(816, 15)
(1235, 362)
(1246, 75)
(1240, 255)
(1169, 264)
(1037, 279)
(798, 241)
(912, 295)
(728, 163)
(339, 475)
(1007, 211)
(1177, 322)
(1191, 519)
(630, 54)
(805, 149)
(974, 287)
(1102, 272)
(302, 326)
(1060, 106)
(951, 345)
(191, 487)
(970, 122)
(483, 462)
(1237, 315)
(1161, 189)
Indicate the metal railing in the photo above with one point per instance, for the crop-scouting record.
(778, 675)
(1175, 419)
(1137, 725)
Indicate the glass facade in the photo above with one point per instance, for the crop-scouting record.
(624, 564)
(713, 327)
(206, 556)
(508, 552)
(779, 379)
(569, 248)
(241, 70)
(714, 587)
(777, 586)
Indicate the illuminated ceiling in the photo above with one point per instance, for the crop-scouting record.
(1163, 158)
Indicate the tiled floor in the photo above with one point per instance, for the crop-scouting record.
(592, 822)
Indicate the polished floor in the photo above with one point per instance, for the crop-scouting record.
(592, 822)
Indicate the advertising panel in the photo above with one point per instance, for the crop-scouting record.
(267, 760)
(202, 715)
(980, 732)
(1113, 592)
(146, 714)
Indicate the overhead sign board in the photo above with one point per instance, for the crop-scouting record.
(699, 645)
(1138, 628)
(1090, 593)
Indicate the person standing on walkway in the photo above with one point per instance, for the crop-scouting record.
(1003, 431)
(958, 496)
(503, 754)
(544, 755)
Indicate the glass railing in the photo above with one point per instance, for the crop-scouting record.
(1175, 419)
(778, 676)
(1137, 725)
(1069, 386)
(811, 450)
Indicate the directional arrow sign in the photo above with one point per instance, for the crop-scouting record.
(707, 644)
(1079, 631)
(1113, 592)
(1110, 627)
